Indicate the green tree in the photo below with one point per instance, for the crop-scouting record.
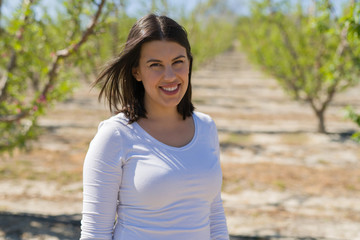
(32, 52)
(353, 21)
(36, 49)
(356, 119)
(109, 38)
(311, 54)
(211, 29)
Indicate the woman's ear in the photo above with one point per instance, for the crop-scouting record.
(135, 73)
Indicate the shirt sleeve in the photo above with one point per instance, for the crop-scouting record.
(101, 181)
(218, 225)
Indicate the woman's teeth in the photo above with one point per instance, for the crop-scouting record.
(170, 89)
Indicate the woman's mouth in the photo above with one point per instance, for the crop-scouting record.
(170, 90)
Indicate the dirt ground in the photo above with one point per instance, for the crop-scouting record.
(282, 179)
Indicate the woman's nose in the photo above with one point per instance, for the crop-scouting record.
(169, 73)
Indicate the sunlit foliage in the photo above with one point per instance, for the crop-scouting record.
(312, 52)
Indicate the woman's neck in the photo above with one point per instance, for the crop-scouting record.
(162, 114)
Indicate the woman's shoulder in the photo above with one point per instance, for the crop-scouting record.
(203, 118)
(116, 123)
(118, 119)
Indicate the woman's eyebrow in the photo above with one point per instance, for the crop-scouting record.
(156, 60)
(152, 60)
(180, 56)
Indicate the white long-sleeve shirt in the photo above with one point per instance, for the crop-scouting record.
(154, 191)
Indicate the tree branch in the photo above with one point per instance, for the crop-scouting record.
(343, 45)
(64, 53)
(18, 36)
(60, 54)
(291, 49)
(12, 118)
(343, 42)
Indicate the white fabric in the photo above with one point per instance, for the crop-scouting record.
(156, 192)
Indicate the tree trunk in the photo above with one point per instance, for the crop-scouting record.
(320, 114)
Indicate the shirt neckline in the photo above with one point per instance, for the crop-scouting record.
(154, 140)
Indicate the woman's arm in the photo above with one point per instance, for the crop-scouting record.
(101, 181)
(218, 225)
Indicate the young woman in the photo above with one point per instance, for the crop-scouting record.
(152, 171)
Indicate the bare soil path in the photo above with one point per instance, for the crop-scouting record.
(282, 180)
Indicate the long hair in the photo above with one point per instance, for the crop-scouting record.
(122, 92)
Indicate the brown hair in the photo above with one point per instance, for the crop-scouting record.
(122, 91)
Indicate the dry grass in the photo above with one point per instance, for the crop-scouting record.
(236, 139)
(300, 179)
(294, 139)
(40, 164)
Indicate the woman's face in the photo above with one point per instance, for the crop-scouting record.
(164, 71)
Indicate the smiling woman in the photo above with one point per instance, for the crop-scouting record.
(164, 71)
(154, 165)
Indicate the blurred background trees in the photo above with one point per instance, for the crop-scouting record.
(353, 21)
(34, 51)
(311, 50)
(44, 55)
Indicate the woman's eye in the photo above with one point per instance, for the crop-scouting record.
(155, 65)
(178, 62)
